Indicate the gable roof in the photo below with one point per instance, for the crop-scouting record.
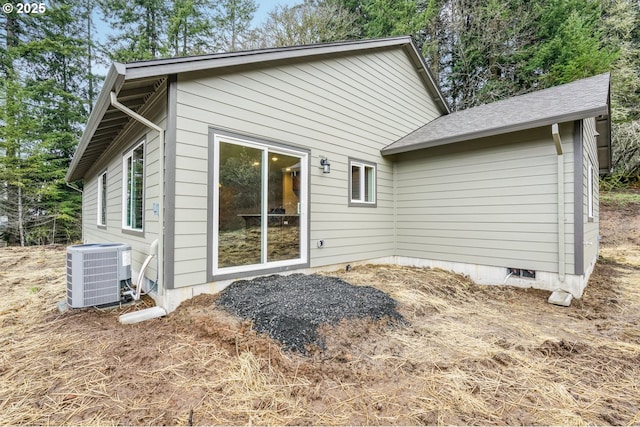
(134, 83)
(572, 101)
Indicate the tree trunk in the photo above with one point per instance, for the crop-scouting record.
(14, 198)
(20, 217)
(184, 37)
(53, 234)
(90, 94)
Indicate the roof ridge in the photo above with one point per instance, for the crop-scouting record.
(248, 52)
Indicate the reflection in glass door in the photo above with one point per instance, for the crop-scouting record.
(259, 195)
(283, 224)
(239, 205)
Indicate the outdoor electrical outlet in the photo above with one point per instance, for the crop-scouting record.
(321, 243)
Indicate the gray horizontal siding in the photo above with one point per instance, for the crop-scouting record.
(337, 108)
(510, 237)
(111, 161)
(591, 226)
(492, 203)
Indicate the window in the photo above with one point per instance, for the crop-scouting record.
(590, 184)
(362, 183)
(102, 199)
(259, 206)
(133, 189)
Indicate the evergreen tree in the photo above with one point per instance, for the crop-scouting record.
(622, 29)
(57, 54)
(141, 26)
(151, 29)
(570, 43)
(233, 23)
(481, 52)
(43, 111)
(190, 28)
(485, 51)
(392, 17)
(622, 32)
(86, 16)
(481, 44)
(17, 124)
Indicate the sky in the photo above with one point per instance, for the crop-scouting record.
(265, 6)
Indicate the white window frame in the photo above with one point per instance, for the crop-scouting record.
(125, 202)
(363, 166)
(590, 184)
(101, 219)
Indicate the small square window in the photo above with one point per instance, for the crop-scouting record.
(362, 183)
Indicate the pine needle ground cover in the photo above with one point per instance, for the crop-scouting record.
(464, 354)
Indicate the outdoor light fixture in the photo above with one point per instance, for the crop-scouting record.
(326, 166)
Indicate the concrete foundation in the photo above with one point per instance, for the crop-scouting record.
(573, 285)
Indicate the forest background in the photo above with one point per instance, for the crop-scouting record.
(480, 51)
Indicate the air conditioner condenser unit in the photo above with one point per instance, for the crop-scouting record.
(98, 274)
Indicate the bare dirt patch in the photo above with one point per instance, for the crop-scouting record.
(467, 355)
(620, 229)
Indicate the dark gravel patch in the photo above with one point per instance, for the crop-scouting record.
(291, 308)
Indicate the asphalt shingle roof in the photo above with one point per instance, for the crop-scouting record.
(572, 101)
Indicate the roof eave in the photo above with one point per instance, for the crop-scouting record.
(112, 82)
(425, 72)
(607, 166)
(145, 69)
(593, 112)
(119, 73)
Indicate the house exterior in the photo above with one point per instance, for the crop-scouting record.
(294, 159)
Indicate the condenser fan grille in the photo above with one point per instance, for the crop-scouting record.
(94, 273)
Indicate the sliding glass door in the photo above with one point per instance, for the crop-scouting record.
(260, 202)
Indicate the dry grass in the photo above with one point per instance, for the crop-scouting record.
(504, 356)
(470, 355)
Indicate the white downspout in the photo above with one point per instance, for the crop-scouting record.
(561, 250)
(150, 124)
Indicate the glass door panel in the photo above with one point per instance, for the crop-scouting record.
(283, 207)
(239, 205)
